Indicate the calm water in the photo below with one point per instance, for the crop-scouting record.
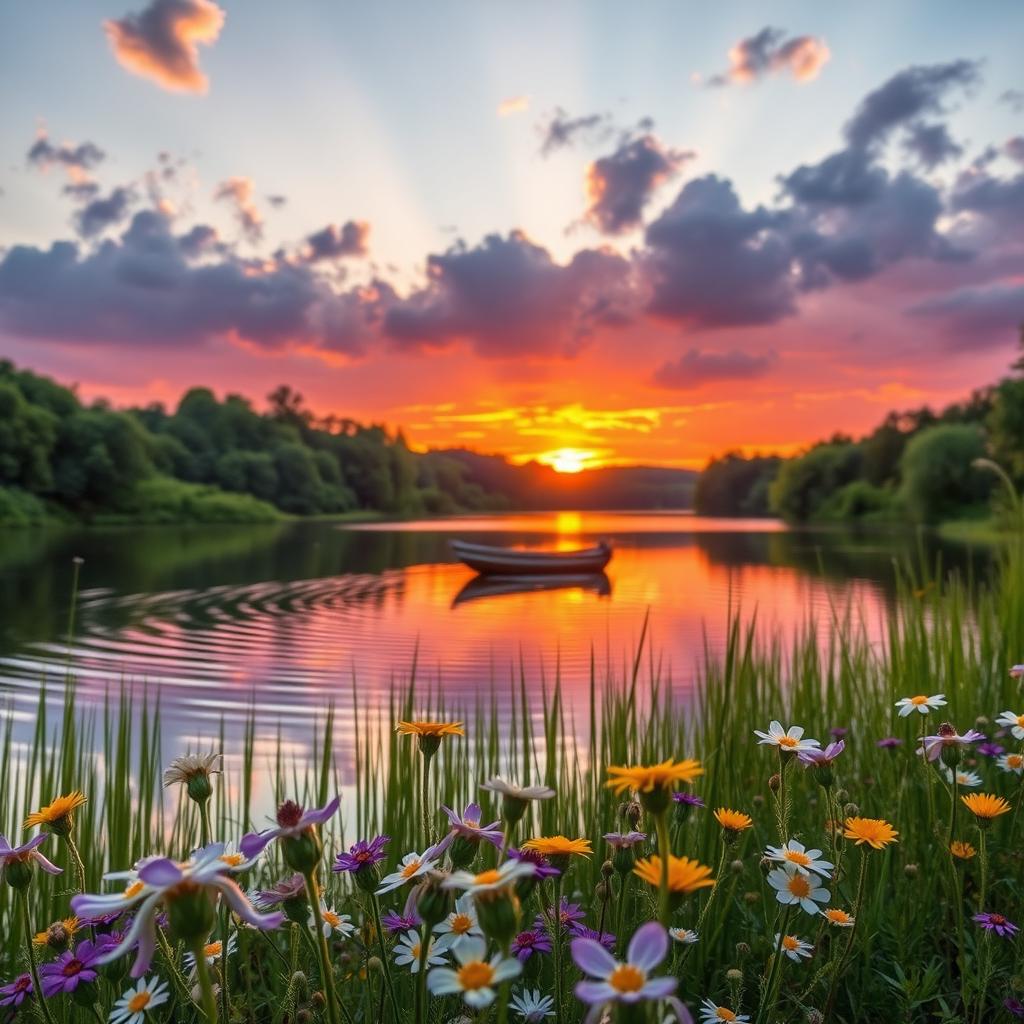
(289, 615)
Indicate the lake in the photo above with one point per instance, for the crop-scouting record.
(293, 615)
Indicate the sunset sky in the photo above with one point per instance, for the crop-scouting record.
(648, 232)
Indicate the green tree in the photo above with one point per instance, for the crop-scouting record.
(939, 480)
(805, 484)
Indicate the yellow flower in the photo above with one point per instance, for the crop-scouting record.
(684, 875)
(732, 821)
(985, 805)
(57, 815)
(840, 918)
(647, 778)
(558, 846)
(58, 935)
(873, 831)
(434, 729)
(961, 850)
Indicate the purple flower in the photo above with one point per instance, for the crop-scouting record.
(291, 888)
(525, 944)
(569, 914)
(889, 743)
(69, 970)
(690, 799)
(996, 923)
(623, 840)
(990, 749)
(362, 855)
(292, 820)
(1015, 1006)
(542, 867)
(394, 922)
(823, 757)
(837, 732)
(15, 992)
(947, 736)
(1017, 672)
(27, 852)
(581, 931)
(468, 825)
(647, 949)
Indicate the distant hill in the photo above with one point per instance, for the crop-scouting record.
(535, 486)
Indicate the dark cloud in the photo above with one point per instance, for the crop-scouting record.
(976, 316)
(846, 178)
(906, 97)
(1014, 99)
(199, 240)
(240, 194)
(1014, 148)
(711, 263)
(77, 160)
(931, 144)
(333, 242)
(698, 367)
(508, 297)
(620, 185)
(103, 212)
(277, 201)
(81, 190)
(162, 41)
(561, 130)
(769, 52)
(999, 199)
(142, 288)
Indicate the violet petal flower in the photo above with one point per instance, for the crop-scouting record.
(996, 923)
(468, 825)
(526, 943)
(28, 851)
(624, 840)
(581, 931)
(362, 855)
(254, 843)
(14, 993)
(691, 799)
(889, 743)
(69, 970)
(647, 949)
(824, 756)
(542, 867)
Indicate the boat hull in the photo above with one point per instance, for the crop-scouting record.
(495, 561)
(482, 587)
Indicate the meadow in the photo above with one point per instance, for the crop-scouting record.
(754, 872)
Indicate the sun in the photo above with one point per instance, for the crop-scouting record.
(567, 460)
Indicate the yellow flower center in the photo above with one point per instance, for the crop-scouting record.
(415, 951)
(1020, 720)
(461, 923)
(488, 877)
(232, 859)
(211, 949)
(799, 886)
(139, 1002)
(1015, 760)
(133, 890)
(796, 857)
(838, 916)
(410, 869)
(723, 1014)
(790, 943)
(627, 978)
(471, 822)
(476, 974)
(331, 918)
(918, 700)
(787, 741)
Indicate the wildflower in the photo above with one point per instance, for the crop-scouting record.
(712, 1014)
(1017, 671)
(1012, 763)
(684, 875)
(1014, 1006)
(962, 850)
(542, 867)
(15, 861)
(59, 815)
(990, 749)
(799, 889)
(581, 931)
(568, 915)
(394, 922)
(212, 952)
(840, 918)
(462, 920)
(408, 950)
(685, 936)
(889, 743)
(873, 831)
(138, 1000)
(1015, 723)
(475, 977)
(531, 941)
(624, 840)
(798, 858)
(430, 734)
(733, 822)
(626, 982)
(185, 890)
(795, 948)
(532, 1006)
(515, 799)
(996, 923)
(15, 992)
(789, 741)
(948, 743)
(823, 755)
(969, 780)
(285, 891)
(558, 849)
(296, 829)
(689, 799)
(69, 970)
(985, 806)
(193, 771)
(58, 935)
(467, 826)
(648, 778)
(333, 922)
(412, 866)
(908, 705)
(489, 880)
(838, 732)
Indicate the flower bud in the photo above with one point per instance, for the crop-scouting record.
(981, 721)
(734, 976)
(434, 903)
(367, 877)
(463, 852)
(910, 870)
(742, 950)
(498, 914)
(601, 891)
(512, 809)
(303, 1016)
(851, 810)
(633, 813)
(775, 782)
(199, 787)
(751, 898)
(302, 853)
(18, 873)
(736, 867)
(317, 999)
(842, 795)
(814, 1016)
(757, 800)
(607, 869)
(191, 913)
(623, 860)
(375, 964)
(57, 936)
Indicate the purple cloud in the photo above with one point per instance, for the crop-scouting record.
(697, 367)
(769, 52)
(333, 242)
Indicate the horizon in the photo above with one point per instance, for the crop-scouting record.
(570, 237)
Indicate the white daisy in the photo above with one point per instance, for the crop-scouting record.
(712, 1014)
(412, 866)
(908, 705)
(1012, 763)
(969, 780)
(408, 949)
(788, 740)
(334, 923)
(138, 1000)
(532, 1006)
(461, 921)
(796, 856)
(795, 948)
(796, 888)
(1015, 723)
(491, 879)
(212, 952)
(687, 936)
(514, 792)
(475, 977)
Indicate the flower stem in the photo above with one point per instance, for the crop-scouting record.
(774, 979)
(76, 858)
(424, 797)
(375, 907)
(37, 988)
(206, 997)
(421, 976)
(664, 851)
(313, 894)
(204, 822)
(556, 942)
(841, 966)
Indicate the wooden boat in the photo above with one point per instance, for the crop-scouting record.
(496, 561)
(480, 587)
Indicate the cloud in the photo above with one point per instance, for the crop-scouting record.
(162, 41)
(507, 297)
(976, 316)
(146, 288)
(769, 52)
(620, 185)
(103, 212)
(1014, 99)
(561, 131)
(513, 105)
(277, 201)
(711, 263)
(698, 367)
(77, 160)
(1014, 148)
(931, 144)
(333, 242)
(240, 193)
(999, 199)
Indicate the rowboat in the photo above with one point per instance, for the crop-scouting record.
(491, 561)
(499, 586)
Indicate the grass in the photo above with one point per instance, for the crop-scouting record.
(913, 955)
